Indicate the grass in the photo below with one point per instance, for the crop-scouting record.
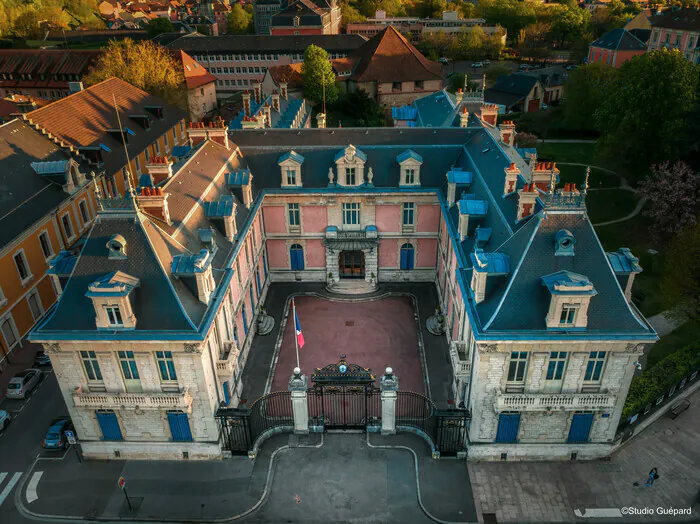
(583, 153)
(577, 174)
(683, 336)
(610, 204)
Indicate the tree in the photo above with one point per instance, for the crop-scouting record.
(644, 116)
(568, 21)
(144, 65)
(158, 26)
(318, 76)
(674, 194)
(350, 15)
(240, 22)
(363, 108)
(584, 90)
(680, 284)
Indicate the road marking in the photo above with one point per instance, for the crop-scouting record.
(31, 489)
(10, 485)
(2, 477)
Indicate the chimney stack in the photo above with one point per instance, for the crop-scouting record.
(507, 129)
(527, 197)
(218, 132)
(489, 114)
(267, 111)
(283, 89)
(458, 96)
(512, 173)
(160, 169)
(154, 202)
(258, 92)
(276, 100)
(321, 119)
(246, 103)
(542, 174)
(463, 117)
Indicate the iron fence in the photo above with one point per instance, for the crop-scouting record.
(270, 411)
(416, 411)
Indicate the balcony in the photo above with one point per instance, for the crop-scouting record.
(226, 364)
(554, 401)
(180, 400)
(460, 359)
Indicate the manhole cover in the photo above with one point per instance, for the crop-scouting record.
(350, 323)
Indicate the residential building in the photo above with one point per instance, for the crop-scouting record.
(552, 79)
(390, 69)
(14, 105)
(516, 92)
(47, 204)
(544, 339)
(273, 109)
(241, 60)
(220, 13)
(641, 20)
(203, 24)
(307, 17)
(615, 48)
(42, 73)
(677, 28)
(263, 13)
(201, 87)
(414, 27)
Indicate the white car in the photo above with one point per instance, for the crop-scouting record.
(4, 419)
(478, 64)
(23, 383)
(444, 60)
(486, 62)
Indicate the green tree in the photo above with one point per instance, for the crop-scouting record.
(240, 22)
(318, 76)
(680, 284)
(510, 14)
(363, 108)
(159, 26)
(584, 90)
(144, 65)
(350, 14)
(569, 21)
(645, 115)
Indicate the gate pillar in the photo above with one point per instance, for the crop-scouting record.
(389, 386)
(298, 385)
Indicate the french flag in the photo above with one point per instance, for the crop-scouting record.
(297, 326)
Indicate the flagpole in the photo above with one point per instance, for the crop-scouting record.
(296, 337)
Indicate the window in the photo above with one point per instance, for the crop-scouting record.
(555, 368)
(91, 365)
(294, 218)
(396, 86)
(114, 316)
(568, 314)
(137, 162)
(409, 209)
(167, 144)
(9, 331)
(67, 226)
(418, 85)
(407, 257)
(157, 144)
(350, 176)
(238, 70)
(238, 271)
(351, 214)
(179, 426)
(516, 367)
(691, 41)
(410, 176)
(166, 366)
(22, 266)
(35, 306)
(656, 35)
(182, 129)
(128, 365)
(296, 257)
(45, 242)
(109, 425)
(84, 213)
(291, 177)
(594, 367)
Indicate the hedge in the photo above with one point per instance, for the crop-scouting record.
(650, 385)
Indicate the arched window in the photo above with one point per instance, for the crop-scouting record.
(296, 256)
(407, 256)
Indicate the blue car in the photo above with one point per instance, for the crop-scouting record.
(56, 435)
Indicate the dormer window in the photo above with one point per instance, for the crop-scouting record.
(117, 247)
(410, 176)
(110, 298)
(290, 165)
(351, 166)
(350, 176)
(291, 177)
(114, 316)
(410, 163)
(568, 314)
(571, 296)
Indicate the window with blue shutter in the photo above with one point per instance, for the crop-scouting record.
(296, 257)
(109, 425)
(245, 320)
(508, 426)
(227, 394)
(407, 256)
(257, 280)
(580, 428)
(179, 426)
(252, 299)
(264, 265)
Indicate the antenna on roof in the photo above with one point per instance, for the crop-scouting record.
(466, 81)
(130, 187)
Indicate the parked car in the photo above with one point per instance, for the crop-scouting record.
(56, 435)
(4, 419)
(41, 359)
(486, 63)
(444, 60)
(524, 67)
(450, 75)
(478, 64)
(22, 383)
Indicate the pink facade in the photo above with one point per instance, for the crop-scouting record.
(612, 58)
(388, 253)
(315, 254)
(314, 219)
(275, 221)
(277, 254)
(388, 219)
(426, 252)
(428, 218)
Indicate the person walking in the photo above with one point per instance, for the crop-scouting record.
(653, 475)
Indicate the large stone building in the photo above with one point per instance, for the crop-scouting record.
(676, 28)
(307, 17)
(163, 304)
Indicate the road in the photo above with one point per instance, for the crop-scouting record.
(21, 442)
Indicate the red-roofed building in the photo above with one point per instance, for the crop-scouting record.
(220, 13)
(201, 87)
(14, 105)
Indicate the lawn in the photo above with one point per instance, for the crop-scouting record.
(610, 204)
(685, 335)
(577, 175)
(583, 153)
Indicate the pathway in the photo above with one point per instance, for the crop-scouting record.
(664, 325)
(637, 210)
(567, 141)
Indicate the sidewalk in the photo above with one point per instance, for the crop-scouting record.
(551, 491)
(21, 358)
(337, 477)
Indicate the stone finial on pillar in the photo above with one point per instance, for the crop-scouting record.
(321, 119)
(298, 384)
(389, 386)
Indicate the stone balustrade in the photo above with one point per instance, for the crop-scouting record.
(459, 357)
(226, 365)
(177, 400)
(554, 401)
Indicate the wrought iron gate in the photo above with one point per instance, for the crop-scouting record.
(451, 431)
(234, 430)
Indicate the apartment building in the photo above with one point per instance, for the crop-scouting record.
(677, 28)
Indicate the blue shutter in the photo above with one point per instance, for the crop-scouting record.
(404, 259)
(109, 425)
(257, 280)
(508, 426)
(179, 426)
(580, 427)
(245, 321)
(297, 259)
(252, 300)
(264, 265)
(227, 395)
(409, 258)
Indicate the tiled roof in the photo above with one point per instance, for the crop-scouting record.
(208, 45)
(307, 11)
(619, 40)
(389, 57)
(290, 73)
(684, 18)
(514, 84)
(195, 75)
(44, 65)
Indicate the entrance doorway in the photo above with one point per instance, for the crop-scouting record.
(352, 264)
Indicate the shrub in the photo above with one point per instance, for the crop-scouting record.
(525, 140)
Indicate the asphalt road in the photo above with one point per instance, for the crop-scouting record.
(21, 442)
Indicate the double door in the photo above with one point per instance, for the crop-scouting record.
(352, 264)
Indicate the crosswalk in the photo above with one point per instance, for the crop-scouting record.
(7, 482)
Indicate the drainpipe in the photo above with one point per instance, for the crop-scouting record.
(213, 370)
(471, 376)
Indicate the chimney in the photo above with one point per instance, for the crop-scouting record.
(283, 89)
(489, 114)
(267, 111)
(218, 132)
(479, 275)
(196, 133)
(512, 173)
(507, 129)
(258, 92)
(458, 96)
(246, 103)
(276, 101)
(160, 169)
(260, 118)
(464, 117)
(626, 267)
(154, 201)
(248, 192)
(74, 87)
(321, 120)
(527, 197)
(542, 174)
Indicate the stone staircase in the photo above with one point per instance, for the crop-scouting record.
(352, 287)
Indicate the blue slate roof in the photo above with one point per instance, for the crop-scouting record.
(358, 153)
(570, 280)
(50, 168)
(458, 176)
(491, 263)
(293, 155)
(438, 109)
(188, 265)
(623, 262)
(404, 113)
(471, 206)
(525, 152)
(179, 151)
(62, 264)
(223, 207)
(409, 153)
(238, 178)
